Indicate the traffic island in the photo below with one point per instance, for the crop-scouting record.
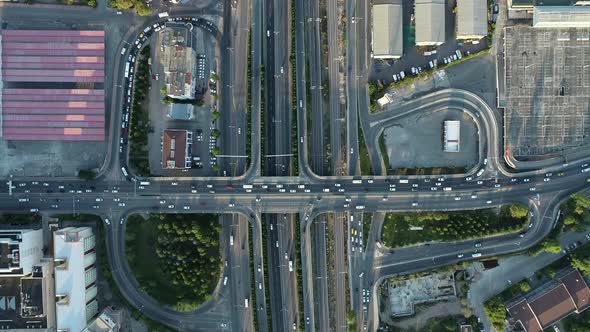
(175, 257)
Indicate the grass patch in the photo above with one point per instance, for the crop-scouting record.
(363, 152)
(176, 258)
(449, 226)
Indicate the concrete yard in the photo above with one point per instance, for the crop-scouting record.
(417, 141)
(547, 78)
(30, 158)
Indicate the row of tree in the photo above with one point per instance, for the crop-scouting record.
(447, 226)
(139, 125)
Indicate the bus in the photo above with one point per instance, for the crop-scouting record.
(127, 70)
(162, 15)
(144, 183)
(124, 171)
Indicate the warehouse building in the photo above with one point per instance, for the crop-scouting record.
(430, 22)
(75, 277)
(177, 148)
(48, 59)
(452, 134)
(387, 31)
(472, 20)
(561, 17)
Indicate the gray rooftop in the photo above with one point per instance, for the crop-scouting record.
(430, 22)
(561, 17)
(387, 31)
(472, 20)
(547, 79)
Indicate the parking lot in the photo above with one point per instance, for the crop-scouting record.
(200, 121)
(547, 78)
(413, 57)
(417, 141)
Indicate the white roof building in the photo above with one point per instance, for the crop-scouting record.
(561, 17)
(452, 136)
(20, 249)
(75, 277)
(387, 30)
(472, 19)
(430, 22)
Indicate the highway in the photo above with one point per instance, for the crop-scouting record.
(317, 148)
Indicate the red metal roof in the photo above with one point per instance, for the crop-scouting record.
(53, 56)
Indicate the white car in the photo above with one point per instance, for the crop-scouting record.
(171, 206)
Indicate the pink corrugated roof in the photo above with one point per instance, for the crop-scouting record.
(52, 92)
(54, 72)
(14, 78)
(50, 124)
(36, 137)
(37, 104)
(50, 131)
(96, 33)
(38, 65)
(54, 59)
(38, 110)
(51, 46)
(62, 117)
(63, 39)
(53, 52)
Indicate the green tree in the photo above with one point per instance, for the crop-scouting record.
(142, 9)
(215, 133)
(216, 151)
(86, 174)
(215, 115)
(92, 3)
(518, 211)
(496, 312)
(581, 203)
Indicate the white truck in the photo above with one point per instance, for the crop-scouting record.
(164, 14)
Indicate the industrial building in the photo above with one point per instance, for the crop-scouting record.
(561, 17)
(430, 22)
(177, 148)
(548, 304)
(472, 19)
(179, 61)
(387, 31)
(19, 250)
(26, 282)
(75, 277)
(49, 60)
(53, 114)
(545, 95)
(452, 134)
